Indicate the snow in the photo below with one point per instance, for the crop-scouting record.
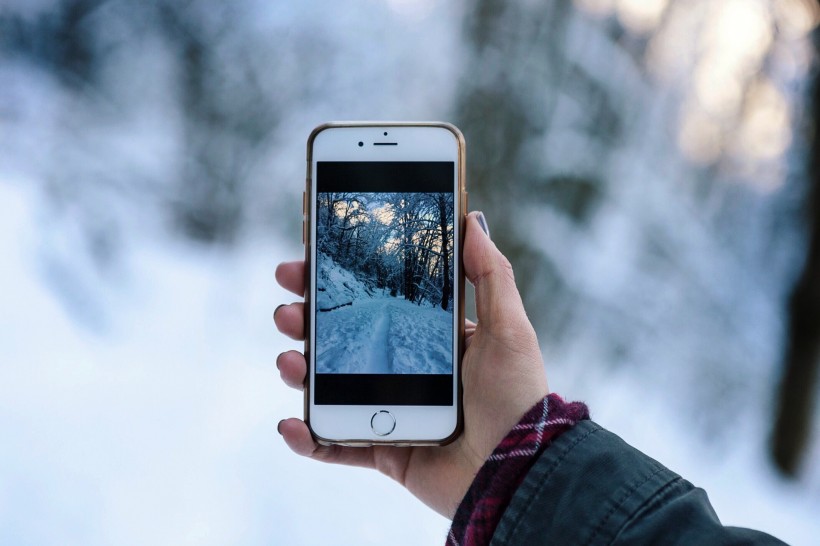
(160, 428)
(336, 286)
(368, 331)
(138, 392)
(384, 335)
(421, 339)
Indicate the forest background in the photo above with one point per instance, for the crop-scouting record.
(384, 282)
(650, 167)
(400, 242)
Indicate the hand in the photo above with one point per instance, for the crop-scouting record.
(502, 375)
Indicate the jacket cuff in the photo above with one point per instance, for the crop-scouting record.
(489, 495)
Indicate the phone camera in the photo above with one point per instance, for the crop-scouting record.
(361, 144)
(385, 133)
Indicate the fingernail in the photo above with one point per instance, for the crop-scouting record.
(277, 359)
(483, 223)
(279, 426)
(277, 308)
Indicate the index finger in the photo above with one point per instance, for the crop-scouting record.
(291, 276)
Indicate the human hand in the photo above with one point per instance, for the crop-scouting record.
(502, 376)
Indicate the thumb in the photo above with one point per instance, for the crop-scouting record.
(498, 303)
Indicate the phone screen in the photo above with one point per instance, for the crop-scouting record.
(384, 292)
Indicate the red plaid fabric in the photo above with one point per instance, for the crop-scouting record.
(494, 485)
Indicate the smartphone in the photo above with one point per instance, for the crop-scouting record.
(384, 211)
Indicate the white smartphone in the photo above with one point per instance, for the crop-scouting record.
(384, 213)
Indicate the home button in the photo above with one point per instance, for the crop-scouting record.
(382, 423)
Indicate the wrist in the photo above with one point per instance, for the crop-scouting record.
(495, 483)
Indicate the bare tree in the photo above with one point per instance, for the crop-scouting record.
(445, 289)
(797, 395)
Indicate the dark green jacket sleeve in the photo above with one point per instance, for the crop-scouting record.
(591, 487)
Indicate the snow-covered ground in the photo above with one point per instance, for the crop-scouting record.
(384, 335)
(160, 427)
(163, 430)
(368, 331)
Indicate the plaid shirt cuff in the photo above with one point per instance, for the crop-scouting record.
(494, 485)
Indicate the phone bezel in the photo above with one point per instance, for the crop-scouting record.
(417, 141)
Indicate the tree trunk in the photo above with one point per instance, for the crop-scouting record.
(445, 289)
(798, 388)
(408, 262)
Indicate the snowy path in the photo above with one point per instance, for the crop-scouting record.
(378, 361)
(384, 335)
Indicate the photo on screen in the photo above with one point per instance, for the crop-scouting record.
(384, 282)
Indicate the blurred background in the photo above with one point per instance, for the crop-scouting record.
(651, 168)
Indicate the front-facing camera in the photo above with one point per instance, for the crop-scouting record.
(361, 144)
